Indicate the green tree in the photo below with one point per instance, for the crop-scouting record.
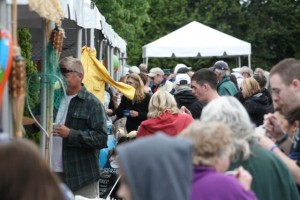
(167, 16)
(127, 19)
(274, 28)
(24, 38)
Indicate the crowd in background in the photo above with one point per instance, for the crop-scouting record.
(217, 133)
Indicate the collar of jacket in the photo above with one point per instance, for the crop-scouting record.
(82, 94)
(181, 88)
(225, 79)
(163, 82)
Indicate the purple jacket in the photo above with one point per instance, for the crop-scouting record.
(211, 185)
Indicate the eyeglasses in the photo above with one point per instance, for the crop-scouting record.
(65, 70)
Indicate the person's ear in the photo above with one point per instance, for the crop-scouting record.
(296, 84)
(80, 75)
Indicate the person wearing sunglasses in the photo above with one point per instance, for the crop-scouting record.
(159, 81)
(79, 133)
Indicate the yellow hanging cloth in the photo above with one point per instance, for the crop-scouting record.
(96, 75)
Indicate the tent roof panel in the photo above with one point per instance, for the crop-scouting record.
(195, 38)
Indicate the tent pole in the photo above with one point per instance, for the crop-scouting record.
(101, 50)
(146, 61)
(107, 59)
(111, 53)
(239, 60)
(92, 38)
(79, 41)
(249, 61)
(43, 94)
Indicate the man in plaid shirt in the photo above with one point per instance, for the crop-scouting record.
(79, 133)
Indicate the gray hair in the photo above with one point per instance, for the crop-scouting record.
(72, 63)
(224, 73)
(231, 112)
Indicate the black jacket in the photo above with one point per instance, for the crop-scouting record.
(257, 106)
(184, 97)
(132, 123)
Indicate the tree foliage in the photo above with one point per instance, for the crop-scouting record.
(127, 19)
(24, 38)
(272, 27)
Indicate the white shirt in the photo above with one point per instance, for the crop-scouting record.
(56, 155)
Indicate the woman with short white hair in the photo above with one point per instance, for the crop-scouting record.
(271, 178)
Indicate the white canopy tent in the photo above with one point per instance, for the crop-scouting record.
(197, 40)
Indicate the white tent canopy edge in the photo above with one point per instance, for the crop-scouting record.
(196, 40)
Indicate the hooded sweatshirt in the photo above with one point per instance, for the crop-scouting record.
(169, 123)
(184, 97)
(257, 106)
(158, 167)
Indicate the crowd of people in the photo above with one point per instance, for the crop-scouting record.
(209, 134)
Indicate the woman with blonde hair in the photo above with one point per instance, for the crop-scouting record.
(256, 103)
(213, 146)
(164, 116)
(135, 110)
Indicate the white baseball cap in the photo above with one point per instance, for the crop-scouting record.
(134, 69)
(180, 65)
(182, 77)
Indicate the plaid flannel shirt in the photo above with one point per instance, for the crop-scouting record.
(86, 119)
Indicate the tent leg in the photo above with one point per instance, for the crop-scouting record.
(249, 61)
(92, 38)
(111, 62)
(79, 42)
(239, 60)
(101, 50)
(146, 61)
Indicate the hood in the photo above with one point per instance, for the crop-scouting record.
(184, 97)
(182, 88)
(158, 167)
(169, 123)
(260, 98)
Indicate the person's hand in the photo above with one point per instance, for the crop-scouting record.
(109, 112)
(273, 127)
(244, 177)
(134, 113)
(183, 109)
(61, 131)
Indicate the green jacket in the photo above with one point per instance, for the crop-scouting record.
(226, 87)
(88, 134)
(271, 178)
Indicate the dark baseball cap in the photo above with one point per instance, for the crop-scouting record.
(221, 65)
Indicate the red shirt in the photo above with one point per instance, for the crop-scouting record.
(171, 124)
